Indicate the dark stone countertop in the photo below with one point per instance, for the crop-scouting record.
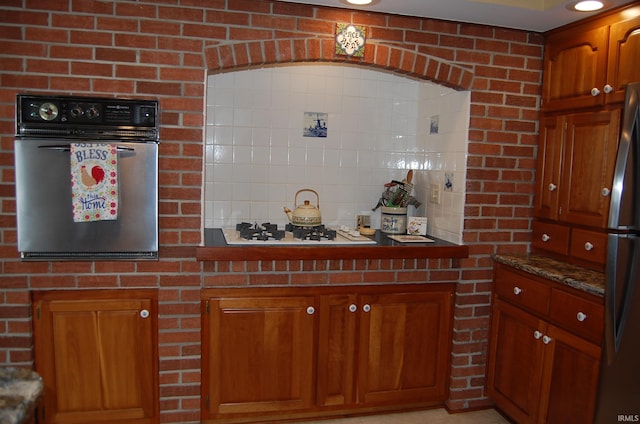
(20, 389)
(215, 248)
(592, 282)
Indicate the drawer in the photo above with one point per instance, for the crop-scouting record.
(588, 245)
(522, 290)
(583, 317)
(551, 237)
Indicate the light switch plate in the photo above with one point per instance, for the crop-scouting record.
(435, 194)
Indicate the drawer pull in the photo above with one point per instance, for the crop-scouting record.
(607, 89)
(581, 316)
(353, 308)
(595, 92)
(366, 307)
(537, 335)
(545, 237)
(517, 290)
(552, 187)
(311, 310)
(605, 192)
(588, 246)
(546, 339)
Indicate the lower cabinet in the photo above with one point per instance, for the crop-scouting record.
(543, 355)
(276, 353)
(97, 354)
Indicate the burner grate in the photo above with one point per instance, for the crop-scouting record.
(316, 233)
(264, 232)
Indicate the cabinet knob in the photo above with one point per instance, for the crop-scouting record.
(607, 89)
(353, 308)
(545, 237)
(537, 335)
(552, 187)
(546, 339)
(366, 307)
(595, 92)
(605, 192)
(144, 313)
(588, 246)
(517, 290)
(581, 316)
(311, 310)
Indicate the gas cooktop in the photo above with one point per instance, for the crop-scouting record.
(254, 234)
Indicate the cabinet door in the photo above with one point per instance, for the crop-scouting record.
(549, 167)
(260, 352)
(589, 159)
(624, 57)
(515, 366)
(97, 358)
(575, 62)
(571, 378)
(336, 349)
(404, 347)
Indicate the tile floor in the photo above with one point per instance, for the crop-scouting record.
(432, 416)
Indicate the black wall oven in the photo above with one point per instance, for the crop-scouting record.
(86, 178)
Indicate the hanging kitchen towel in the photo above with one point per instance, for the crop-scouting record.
(94, 182)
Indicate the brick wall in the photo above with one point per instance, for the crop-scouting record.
(163, 49)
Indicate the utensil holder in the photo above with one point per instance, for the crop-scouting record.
(393, 220)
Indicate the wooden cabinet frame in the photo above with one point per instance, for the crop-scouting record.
(539, 369)
(348, 349)
(96, 351)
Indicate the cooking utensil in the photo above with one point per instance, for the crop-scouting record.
(305, 215)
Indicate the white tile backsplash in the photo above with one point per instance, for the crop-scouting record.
(256, 157)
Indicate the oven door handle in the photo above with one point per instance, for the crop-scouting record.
(67, 148)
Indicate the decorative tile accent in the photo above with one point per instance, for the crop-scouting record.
(350, 40)
(315, 124)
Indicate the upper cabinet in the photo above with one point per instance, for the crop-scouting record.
(575, 167)
(590, 64)
(624, 57)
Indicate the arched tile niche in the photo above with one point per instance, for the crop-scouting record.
(379, 123)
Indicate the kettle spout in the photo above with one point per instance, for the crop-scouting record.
(289, 213)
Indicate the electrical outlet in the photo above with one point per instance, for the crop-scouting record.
(436, 194)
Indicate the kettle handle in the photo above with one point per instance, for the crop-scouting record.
(295, 199)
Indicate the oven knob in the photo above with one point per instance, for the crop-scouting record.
(76, 111)
(48, 111)
(93, 112)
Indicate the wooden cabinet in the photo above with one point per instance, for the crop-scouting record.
(337, 340)
(96, 352)
(258, 354)
(589, 64)
(576, 160)
(575, 167)
(544, 349)
(300, 352)
(402, 337)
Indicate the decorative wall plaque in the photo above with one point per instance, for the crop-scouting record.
(350, 40)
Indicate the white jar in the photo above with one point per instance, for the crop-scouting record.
(393, 220)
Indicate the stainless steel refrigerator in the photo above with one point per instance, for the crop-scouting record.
(619, 386)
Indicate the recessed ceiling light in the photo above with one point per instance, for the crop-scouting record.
(359, 2)
(588, 5)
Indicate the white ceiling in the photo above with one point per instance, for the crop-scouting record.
(531, 15)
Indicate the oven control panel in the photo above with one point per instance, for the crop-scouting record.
(75, 113)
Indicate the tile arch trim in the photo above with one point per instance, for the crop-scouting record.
(391, 58)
